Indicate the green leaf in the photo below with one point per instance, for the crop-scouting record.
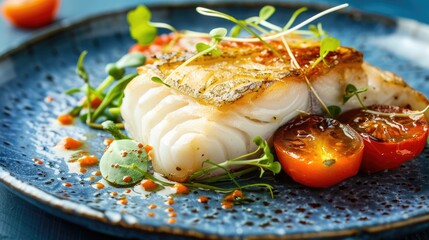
(201, 46)
(351, 90)
(134, 59)
(329, 44)
(158, 80)
(266, 12)
(124, 163)
(276, 167)
(334, 111)
(235, 31)
(218, 34)
(140, 27)
(114, 71)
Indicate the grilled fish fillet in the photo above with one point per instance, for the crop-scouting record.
(217, 105)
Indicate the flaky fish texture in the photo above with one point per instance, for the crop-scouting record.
(217, 105)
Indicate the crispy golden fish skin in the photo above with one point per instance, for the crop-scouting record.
(217, 105)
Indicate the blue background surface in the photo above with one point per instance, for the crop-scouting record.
(19, 219)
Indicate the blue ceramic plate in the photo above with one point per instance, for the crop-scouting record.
(385, 204)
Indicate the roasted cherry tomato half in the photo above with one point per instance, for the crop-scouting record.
(389, 140)
(30, 13)
(317, 151)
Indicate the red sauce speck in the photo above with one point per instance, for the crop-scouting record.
(96, 173)
(39, 162)
(113, 194)
(67, 184)
(127, 190)
(91, 178)
(203, 199)
(171, 220)
(82, 170)
(151, 214)
(127, 179)
(152, 206)
(140, 145)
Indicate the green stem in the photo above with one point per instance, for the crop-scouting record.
(106, 83)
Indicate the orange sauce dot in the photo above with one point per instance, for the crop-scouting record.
(203, 199)
(172, 214)
(99, 185)
(140, 145)
(152, 206)
(49, 99)
(70, 143)
(151, 214)
(148, 148)
(96, 173)
(171, 220)
(127, 179)
(107, 141)
(169, 201)
(180, 188)
(67, 184)
(169, 209)
(65, 119)
(113, 194)
(91, 178)
(148, 184)
(82, 170)
(127, 190)
(227, 204)
(123, 201)
(87, 161)
(39, 162)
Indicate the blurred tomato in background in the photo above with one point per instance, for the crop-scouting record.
(30, 13)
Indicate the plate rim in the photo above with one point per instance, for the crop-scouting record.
(28, 191)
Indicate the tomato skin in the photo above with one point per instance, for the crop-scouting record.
(328, 153)
(30, 13)
(406, 138)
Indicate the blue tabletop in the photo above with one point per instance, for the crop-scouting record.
(21, 220)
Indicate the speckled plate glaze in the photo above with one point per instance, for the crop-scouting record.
(383, 205)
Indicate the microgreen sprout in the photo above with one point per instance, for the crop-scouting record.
(350, 91)
(83, 74)
(216, 36)
(327, 45)
(114, 83)
(141, 28)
